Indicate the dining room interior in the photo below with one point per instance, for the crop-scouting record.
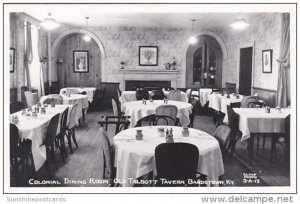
(150, 95)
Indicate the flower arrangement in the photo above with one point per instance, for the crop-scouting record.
(148, 54)
(122, 63)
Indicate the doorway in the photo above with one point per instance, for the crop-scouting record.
(204, 63)
(245, 78)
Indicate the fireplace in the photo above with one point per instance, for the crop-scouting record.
(137, 78)
(134, 84)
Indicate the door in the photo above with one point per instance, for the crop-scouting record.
(245, 82)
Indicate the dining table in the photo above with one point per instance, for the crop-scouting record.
(203, 94)
(135, 158)
(128, 96)
(35, 129)
(137, 110)
(72, 99)
(88, 90)
(219, 102)
(260, 120)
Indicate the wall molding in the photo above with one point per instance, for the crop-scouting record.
(263, 89)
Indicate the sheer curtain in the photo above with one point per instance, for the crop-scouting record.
(34, 67)
(28, 54)
(284, 64)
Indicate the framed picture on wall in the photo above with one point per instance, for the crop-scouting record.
(81, 61)
(148, 55)
(12, 60)
(267, 61)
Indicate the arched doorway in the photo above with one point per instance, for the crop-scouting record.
(63, 48)
(204, 63)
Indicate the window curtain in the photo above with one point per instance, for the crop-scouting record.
(28, 54)
(42, 60)
(283, 86)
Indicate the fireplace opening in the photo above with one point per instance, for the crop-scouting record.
(131, 85)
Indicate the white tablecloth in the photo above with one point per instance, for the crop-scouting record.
(81, 100)
(89, 91)
(35, 129)
(256, 120)
(135, 158)
(219, 102)
(137, 110)
(204, 95)
(128, 96)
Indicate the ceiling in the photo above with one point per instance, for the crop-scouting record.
(141, 15)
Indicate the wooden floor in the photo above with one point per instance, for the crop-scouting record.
(87, 161)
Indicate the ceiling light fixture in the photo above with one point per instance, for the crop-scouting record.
(87, 38)
(193, 39)
(49, 23)
(239, 23)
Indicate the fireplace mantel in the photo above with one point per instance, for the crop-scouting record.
(148, 75)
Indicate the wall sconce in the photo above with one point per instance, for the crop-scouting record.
(60, 61)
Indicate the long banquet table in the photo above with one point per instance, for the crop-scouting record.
(135, 158)
(35, 130)
(137, 110)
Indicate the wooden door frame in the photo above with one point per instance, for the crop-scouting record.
(239, 47)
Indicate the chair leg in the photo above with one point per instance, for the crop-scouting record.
(69, 140)
(60, 146)
(74, 138)
(63, 145)
(53, 155)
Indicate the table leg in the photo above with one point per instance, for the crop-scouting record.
(250, 149)
(83, 110)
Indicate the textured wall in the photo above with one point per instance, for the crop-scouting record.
(122, 43)
(265, 31)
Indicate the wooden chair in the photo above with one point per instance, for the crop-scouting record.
(16, 106)
(165, 115)
(21, 160)
(71, 128)
(52, 101)
(247, 99)
(50, 140)
(30, 98)
(233, 123)
(63, 131)
(121, 122)
(176, 161)
(157, 95)
(174, 95)
(142, 94)
(223, 135)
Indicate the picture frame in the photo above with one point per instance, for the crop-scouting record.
(81, 61)
(267, 59)
(148, 55)
(12, 57)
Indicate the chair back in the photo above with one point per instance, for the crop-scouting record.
(72, 119)
(73, 91)
(287, 125)
(52, 101)
(222, 134)
(189, 94)
(233, 119)
(176, 161)
(217, 90)
(52, 130)
(116, 107)
(174, 95)
(142, 94)
(254, 104)
(14, 141)
(64, 120)
(16, 106)
(157, 95)
(230, 87)
(247, 99)
(30, 99)
(107, 153)
(166, 110)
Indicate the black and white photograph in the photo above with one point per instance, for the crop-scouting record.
(139, 98)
